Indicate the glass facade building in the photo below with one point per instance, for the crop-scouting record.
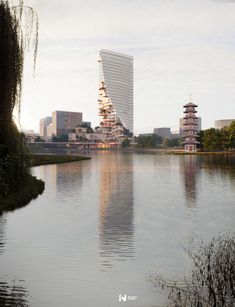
(116, 86)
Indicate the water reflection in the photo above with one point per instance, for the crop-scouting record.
(69, 182)
(190, 167)
(13, 295)
(219, 165)
(116, 211)
(65, 181)
(2, 231)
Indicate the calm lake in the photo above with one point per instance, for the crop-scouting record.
(103, 225)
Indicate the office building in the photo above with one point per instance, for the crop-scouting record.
(63, 122)
(115, 93)
(219, 124)
(43, 124)
(165, 133)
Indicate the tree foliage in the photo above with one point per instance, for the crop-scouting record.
(126, 143)
(218, 139)
(61, 138)
(148, 141)
(17, 32)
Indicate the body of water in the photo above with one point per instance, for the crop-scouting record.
(103, 225)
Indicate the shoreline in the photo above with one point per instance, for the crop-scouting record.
(181, 152)
(213, 153)
(30, 189)
(46, 159)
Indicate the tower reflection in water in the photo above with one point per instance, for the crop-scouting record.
(116, 210)
(190, 167)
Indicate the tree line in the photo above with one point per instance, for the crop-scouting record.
(156, 141)
(217, 139)
(209, 140)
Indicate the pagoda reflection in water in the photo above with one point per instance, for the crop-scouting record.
(190, 167)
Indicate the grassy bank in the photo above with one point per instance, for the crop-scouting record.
(30, 189)
(37, 160)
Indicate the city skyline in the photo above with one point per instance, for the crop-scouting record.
(184, 48)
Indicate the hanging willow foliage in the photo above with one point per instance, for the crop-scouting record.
(18, 32)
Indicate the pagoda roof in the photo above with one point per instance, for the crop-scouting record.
(193, 124)
(190, 104)
(191, 142)
(188, 128)
(190, 111)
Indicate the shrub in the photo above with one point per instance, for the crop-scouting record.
(212, 282)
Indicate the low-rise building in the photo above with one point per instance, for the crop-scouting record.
(221, 123)
(164, 132)
(31, 136)
(81, 134)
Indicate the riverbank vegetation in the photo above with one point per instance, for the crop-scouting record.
(148, 141)
(36, 160)
(212, 282)
(217, 139)
(17, 186)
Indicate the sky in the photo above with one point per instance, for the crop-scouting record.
(180, 48)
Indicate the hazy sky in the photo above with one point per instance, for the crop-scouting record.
(179, 48)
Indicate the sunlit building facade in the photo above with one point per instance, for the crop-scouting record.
(64, 122)
(115, 93)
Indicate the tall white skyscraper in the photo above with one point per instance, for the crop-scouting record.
(116, 91)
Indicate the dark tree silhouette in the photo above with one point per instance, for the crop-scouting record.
(18, 32)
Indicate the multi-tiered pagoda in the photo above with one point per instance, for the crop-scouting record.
(190, 127)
